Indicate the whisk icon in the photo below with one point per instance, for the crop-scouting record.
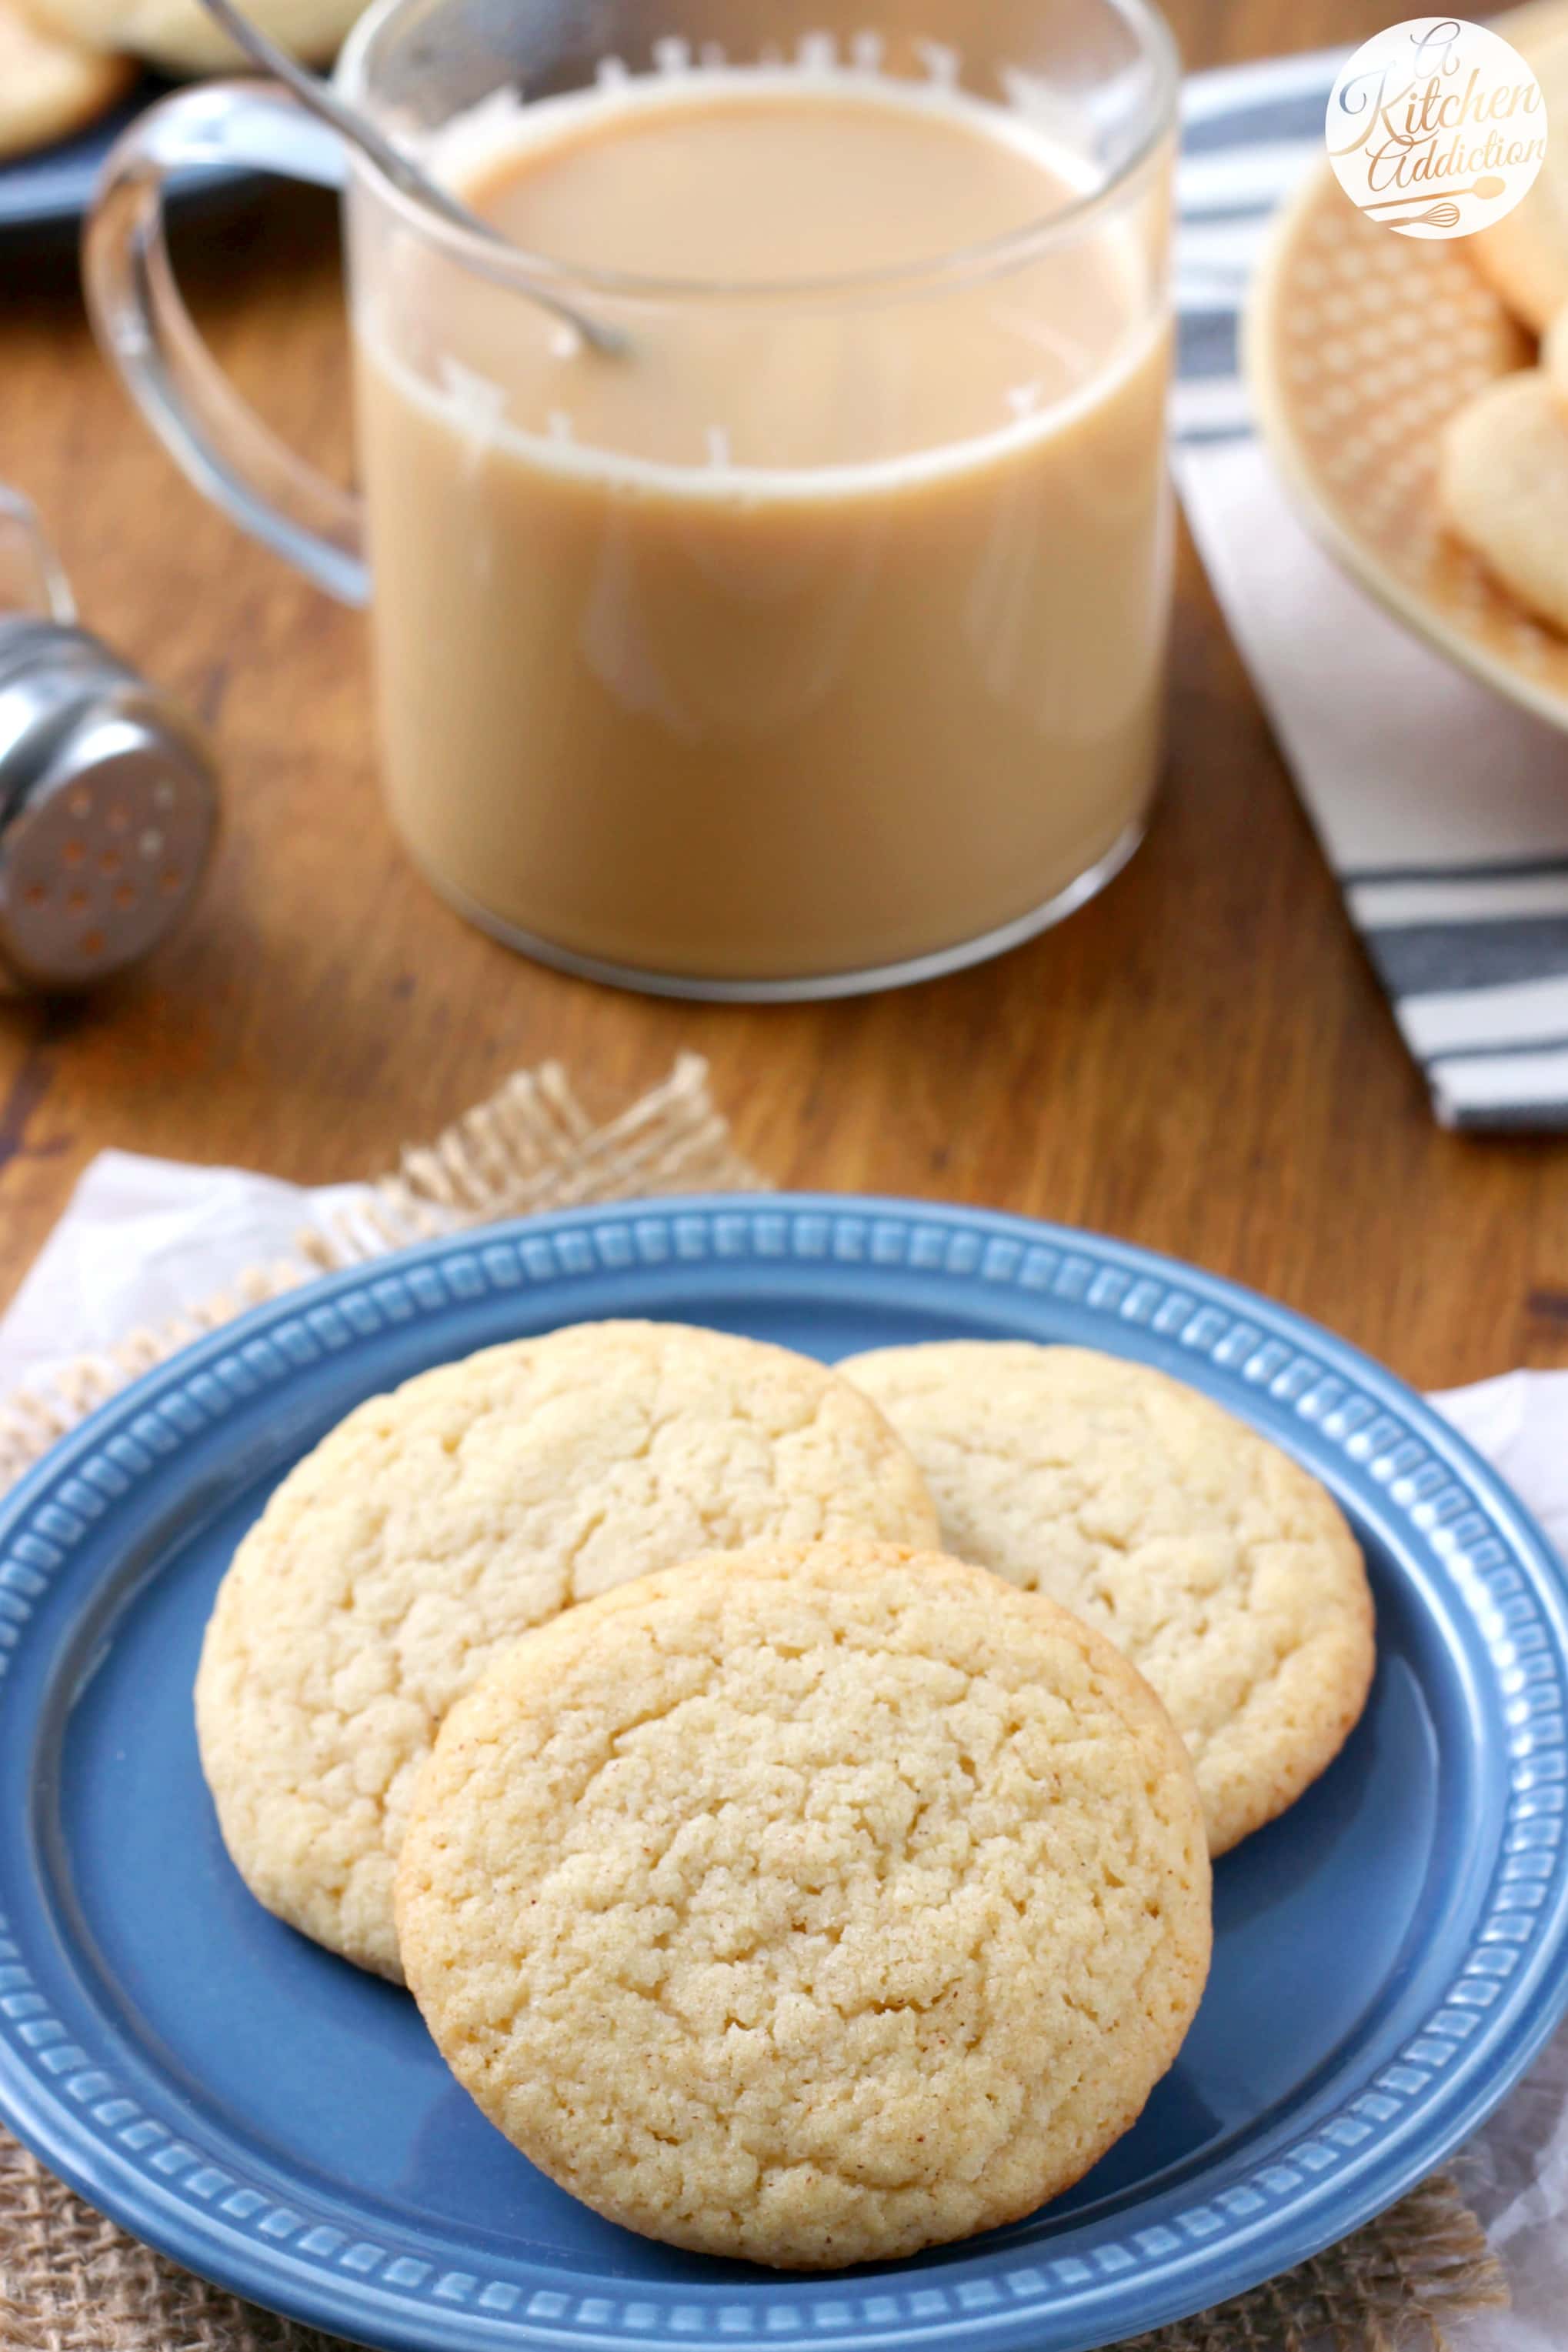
(1444, 215)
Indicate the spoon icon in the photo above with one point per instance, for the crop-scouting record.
(1486, 188)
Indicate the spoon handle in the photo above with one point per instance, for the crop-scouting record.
(319, 95)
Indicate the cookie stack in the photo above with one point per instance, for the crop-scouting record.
(788, 1794)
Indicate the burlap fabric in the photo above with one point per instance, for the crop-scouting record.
(532, 1146)
(71, 2281)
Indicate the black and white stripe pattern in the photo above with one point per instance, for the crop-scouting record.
(1443, 810)
(1249, 134)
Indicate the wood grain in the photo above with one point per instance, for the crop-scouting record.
(1201, 1061)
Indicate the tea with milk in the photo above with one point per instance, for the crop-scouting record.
(822, 631)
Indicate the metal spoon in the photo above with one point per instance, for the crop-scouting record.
(395, 166)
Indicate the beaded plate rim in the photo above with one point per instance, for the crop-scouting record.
(1272, 409)
(59, 2091)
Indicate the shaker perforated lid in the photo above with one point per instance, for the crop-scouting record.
(108, 808)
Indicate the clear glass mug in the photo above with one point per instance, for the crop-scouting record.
(849, 675)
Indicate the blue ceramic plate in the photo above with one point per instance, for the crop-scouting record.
(1389, 1954)
(51, 189)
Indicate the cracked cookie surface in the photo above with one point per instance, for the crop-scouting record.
(810, 1906)
(434, 1525)
(1227, 1574)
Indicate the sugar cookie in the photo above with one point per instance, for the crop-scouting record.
(49, 86)
(179, 37)
(1524, 255)
(1225, 1574)
(434, 1525)
(811, 1906)
(1502, 487)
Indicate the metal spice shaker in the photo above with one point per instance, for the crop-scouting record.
(107, 790)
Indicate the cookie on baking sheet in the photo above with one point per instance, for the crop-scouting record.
(179, 37)
(1502, 487)
(1524, 255)
(1225, 1574)
(49, 87)
(810, 1906)
(434, 1525)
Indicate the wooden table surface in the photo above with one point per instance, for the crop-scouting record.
(1201, 1060)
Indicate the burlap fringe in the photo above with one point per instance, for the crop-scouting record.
(532, 1146)
(1391, 2286)
(73, 2282)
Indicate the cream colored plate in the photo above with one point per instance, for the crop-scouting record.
(1358, 346)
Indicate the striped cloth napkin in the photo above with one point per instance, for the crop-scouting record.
(1443, 810)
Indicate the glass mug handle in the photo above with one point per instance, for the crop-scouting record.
(146, 332)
